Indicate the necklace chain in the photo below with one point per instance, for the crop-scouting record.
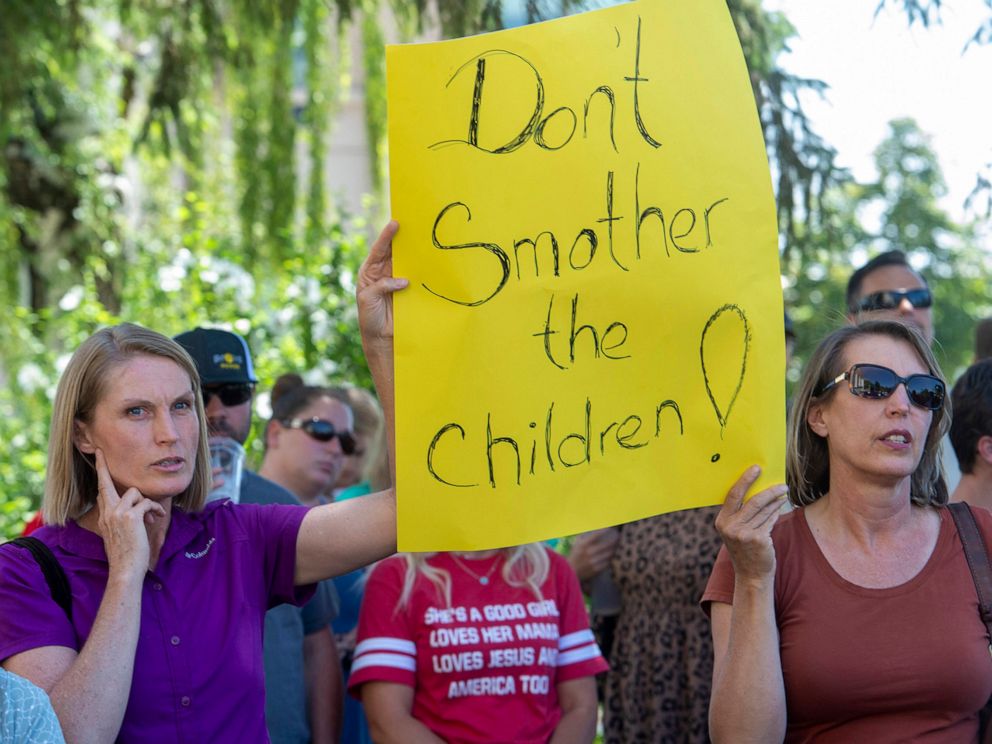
(482, 579)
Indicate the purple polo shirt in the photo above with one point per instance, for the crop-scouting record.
(198, 673)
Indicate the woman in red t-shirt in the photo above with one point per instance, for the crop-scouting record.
(492, 646)
(854, 617)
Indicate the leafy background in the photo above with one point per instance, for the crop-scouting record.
(156, 167)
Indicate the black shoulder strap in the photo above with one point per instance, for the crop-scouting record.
(978, 560)
(58, 584)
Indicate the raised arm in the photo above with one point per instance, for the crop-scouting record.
(89, 690)
(338, 538)
(748, 699)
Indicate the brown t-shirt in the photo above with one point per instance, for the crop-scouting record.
(907, 663)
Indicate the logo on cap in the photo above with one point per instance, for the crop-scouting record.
(227, 360)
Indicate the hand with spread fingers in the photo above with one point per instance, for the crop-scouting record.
(746, 526)
(123, 523)
(592, 552)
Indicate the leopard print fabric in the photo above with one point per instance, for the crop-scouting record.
(661, 666)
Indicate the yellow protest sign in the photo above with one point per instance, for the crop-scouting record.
(593, 332)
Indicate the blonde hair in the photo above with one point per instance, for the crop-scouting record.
(524, 565)
(808, 454)
(71, 481)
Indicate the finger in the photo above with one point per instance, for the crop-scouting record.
(148, 508)
(770, 498)
(129, 498)
(388, 285)
(602, 536)
(769, 518)
(770, 509)
(106, 491)
(603, 552)
(381, 252)
(382, 248)
(737, 492)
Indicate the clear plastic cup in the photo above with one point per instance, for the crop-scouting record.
(229, 457)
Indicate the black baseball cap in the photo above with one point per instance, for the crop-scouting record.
(220, 356)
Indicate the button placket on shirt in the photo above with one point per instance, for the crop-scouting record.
(166, 611)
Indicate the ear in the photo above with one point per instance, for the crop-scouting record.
(985, 449)
(272, 431)
(814, 418)
(81, 438)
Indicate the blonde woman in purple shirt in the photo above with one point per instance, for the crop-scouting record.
(163, 641)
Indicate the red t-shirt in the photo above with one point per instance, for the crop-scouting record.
(485, 668)
(906, 663)
(35, 523)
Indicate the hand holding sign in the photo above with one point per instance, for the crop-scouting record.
(376, 284)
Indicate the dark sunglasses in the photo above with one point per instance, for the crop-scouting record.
(233, 394)
(892, 298)
(322, 431)
(875, 382)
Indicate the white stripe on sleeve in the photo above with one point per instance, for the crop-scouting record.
(394, 661)
(578, 638)
(385, 643)
(580, 654)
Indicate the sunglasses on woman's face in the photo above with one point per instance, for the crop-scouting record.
(233, 394)
(322, 431)
(892, 298)
(876, 382)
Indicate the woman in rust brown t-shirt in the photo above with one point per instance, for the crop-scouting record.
(853, 618)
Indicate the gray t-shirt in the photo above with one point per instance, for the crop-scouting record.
(285, 626)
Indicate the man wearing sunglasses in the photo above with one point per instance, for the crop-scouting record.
(888, 288)
(302, 673)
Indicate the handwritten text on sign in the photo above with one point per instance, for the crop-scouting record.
(593, 332)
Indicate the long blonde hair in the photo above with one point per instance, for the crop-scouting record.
(524, 565)
(71, 482)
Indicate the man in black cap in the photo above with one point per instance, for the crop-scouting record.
(227, 379)
(303, 687)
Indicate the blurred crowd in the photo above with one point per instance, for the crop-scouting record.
(169, 591)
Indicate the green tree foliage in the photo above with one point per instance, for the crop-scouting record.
(151, 172)
(927, 13)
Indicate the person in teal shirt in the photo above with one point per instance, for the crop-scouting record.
(26, 714)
